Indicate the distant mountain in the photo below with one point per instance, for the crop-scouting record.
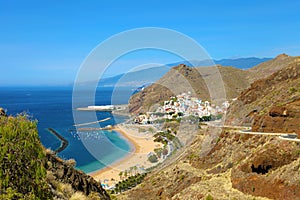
(151, 75)
(242, 63)
(136, 78)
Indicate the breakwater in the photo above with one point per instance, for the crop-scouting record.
(64, 142)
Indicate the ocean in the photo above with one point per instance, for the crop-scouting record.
(52, 108)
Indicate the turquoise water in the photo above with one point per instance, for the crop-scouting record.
(52, 107)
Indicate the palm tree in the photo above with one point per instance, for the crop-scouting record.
(125, 173)
(121, 175)
(130, 171)
(135, 169)
(121, 187)
(117, 189)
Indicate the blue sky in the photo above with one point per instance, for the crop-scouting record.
(45, 42)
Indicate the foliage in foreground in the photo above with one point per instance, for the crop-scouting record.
(22, 157)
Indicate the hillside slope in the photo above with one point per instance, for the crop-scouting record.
(183, 79)
(267, 68)
(238, 166)
(272, 103)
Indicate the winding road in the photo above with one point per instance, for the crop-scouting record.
(248, 130)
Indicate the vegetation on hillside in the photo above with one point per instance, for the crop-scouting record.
(22, 172)
(128, 183)
(28, 171)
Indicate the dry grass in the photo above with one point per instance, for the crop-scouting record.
(78, 196)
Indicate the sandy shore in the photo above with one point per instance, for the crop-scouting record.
(143, 144)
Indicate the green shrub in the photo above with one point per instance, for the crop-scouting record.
(292, 90)
(22, 159)
(153, 159)
(158, 152)
(209, 197)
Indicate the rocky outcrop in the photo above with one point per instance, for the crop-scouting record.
(238, 166)
(267, 97)
(2, 112)
(271, 172)
(65, 172)
(284, 118)
(260, 165)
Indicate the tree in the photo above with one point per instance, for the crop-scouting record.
(130, 171)
(158, 152)
(153, 159)
(135, 169)
(125, 173)
(121, 175)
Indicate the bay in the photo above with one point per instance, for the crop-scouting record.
(52, 108)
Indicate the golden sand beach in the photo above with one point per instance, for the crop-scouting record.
(143, 144)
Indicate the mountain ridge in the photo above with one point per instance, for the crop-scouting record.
(187, 79)
(273, 90)
(152, 74)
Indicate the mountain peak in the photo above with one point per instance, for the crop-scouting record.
(282, 56)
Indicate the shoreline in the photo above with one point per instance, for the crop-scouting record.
(134, 148)
(142, 145)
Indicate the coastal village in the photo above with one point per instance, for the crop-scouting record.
(148, 128)
(183, 105)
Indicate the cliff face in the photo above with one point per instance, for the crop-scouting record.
(270, 104)
(60, 172)
(282, 118)
(183, 79)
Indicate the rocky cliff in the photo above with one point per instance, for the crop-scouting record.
(271, 104)
(62, 174)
